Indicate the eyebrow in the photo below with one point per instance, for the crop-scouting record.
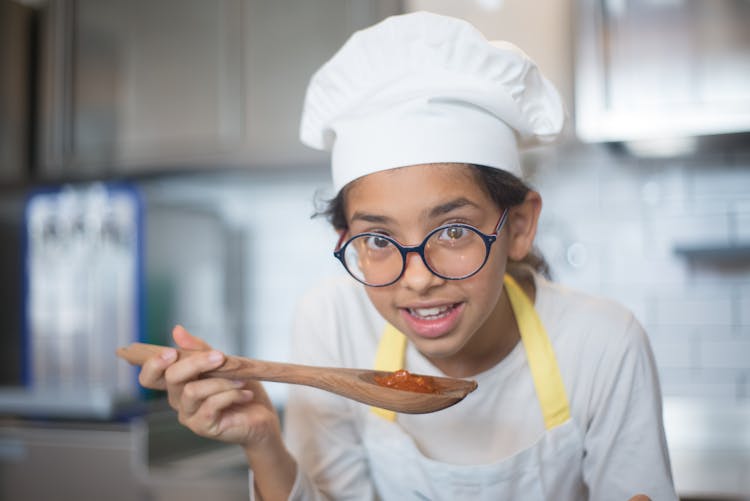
(437, 211)
(370, 218)
(450, 206)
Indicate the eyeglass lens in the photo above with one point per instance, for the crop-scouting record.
(454, 251)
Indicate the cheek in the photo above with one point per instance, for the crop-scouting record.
(497, 260)
(486, 286)
(380, 297)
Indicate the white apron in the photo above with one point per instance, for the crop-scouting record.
(549, 469)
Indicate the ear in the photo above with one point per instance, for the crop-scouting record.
(522, 224)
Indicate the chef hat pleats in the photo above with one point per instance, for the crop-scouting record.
(425, 88)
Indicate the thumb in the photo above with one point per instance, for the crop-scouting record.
(187, 341)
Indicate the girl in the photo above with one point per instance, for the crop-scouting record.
(424, 119)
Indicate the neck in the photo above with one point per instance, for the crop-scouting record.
(492, 342)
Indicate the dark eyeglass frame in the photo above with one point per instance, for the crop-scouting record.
(341, 246)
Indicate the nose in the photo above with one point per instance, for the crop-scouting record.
(417, 276)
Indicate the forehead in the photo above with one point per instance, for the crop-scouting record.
(415, 188)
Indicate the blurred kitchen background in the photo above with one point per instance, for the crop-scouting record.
(150, 174)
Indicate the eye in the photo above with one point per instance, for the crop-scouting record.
(377, 243)
(452, 233)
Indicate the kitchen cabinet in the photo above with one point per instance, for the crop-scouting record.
(15, 52)
(142, 85)
(12, 270)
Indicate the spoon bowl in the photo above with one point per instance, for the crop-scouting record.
(355, 384)
(451, 389)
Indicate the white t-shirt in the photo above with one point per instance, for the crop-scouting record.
(606, 365)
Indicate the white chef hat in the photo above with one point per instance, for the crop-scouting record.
(424, 88)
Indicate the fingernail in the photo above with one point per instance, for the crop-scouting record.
(247, 395)
(215, 356)
(169, 355)
(237, 383)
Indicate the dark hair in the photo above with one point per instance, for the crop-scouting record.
(505, 189)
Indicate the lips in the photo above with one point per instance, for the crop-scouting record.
(432, 321)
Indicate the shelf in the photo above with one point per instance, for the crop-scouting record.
(715, 253)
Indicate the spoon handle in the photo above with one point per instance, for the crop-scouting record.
(241, 367)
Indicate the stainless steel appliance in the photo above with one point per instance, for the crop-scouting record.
(83, 297)
(105, 264)
(650, 69)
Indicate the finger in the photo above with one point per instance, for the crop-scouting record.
(187, 341)
(192, 366)
(189, 369)
(196, 392)
(208, 419)
(152, 372)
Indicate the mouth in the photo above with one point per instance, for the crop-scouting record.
(432, 321)
(432, 313)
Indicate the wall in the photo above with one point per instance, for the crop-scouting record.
(286, 250)
(611, 225)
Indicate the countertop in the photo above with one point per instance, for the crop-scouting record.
(709, 445)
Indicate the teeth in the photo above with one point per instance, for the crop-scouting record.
(429, 312)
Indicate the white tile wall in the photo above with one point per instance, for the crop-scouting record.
(724, 352)
(743, 308)
(691, 310)
(287, 251)
(629, 215)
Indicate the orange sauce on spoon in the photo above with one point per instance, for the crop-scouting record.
(404, 380)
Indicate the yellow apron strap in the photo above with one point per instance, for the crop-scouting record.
(548, 382)
(541, 357)
(390, 357)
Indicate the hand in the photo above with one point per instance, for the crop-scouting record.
(230, 411)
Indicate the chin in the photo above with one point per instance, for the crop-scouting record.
(436, 349)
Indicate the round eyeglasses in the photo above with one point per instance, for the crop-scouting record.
(452, 251)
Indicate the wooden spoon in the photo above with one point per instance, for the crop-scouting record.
(356, 384)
